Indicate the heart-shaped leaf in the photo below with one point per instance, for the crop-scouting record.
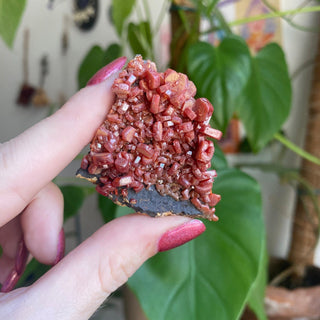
(120, 12)
(266, 102)
(10, 16)
(220, 74)
(95, 59)
(210, 277)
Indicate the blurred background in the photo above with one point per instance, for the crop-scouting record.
(51, 43)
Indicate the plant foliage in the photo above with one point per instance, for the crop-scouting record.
(258, 88)
(211, 277)
(120, 12)
(216, 275)
(95, 59)
(265, 103)
(10, 15)
(220, 74)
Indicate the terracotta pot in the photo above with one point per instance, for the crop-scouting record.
(302, 303)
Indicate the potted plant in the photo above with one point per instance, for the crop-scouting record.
(237, 83)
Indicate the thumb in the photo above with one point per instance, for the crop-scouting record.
(75, 287)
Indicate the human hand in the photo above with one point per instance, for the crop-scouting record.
(31, 218)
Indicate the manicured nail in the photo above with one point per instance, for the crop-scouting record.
(180, 235)
(16, 272)
(21, 257)
(61, 247)
(107, 71)
(10, 282)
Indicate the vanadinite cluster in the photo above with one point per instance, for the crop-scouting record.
(156, 133)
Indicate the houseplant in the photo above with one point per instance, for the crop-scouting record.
(219, 273)
(257, 89)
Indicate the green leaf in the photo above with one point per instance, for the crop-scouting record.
(113, 51)
(95, 59)
(257, 294)
(92, 62)
(120, 12)
(219, 160)
(107, 208)
(73, 199)
(220, 74)
(10, 15)
(123, 210)
(210, 277)
(266, 102)
(140, 38)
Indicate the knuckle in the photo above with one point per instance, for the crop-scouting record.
(113, 272)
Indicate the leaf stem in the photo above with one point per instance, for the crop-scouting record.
(222, 21)
(293, 147)
(161, 16)
(142, 28)
(303, 67)
(274, 15)
(147, 11)
(288, 19)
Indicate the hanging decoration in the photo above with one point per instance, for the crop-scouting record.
(26, 90)
(40, 97)
(64, 44)
(85, 13)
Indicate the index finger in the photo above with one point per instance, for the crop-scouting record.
(32, 159)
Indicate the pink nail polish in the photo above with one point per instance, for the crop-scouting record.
(21, 257)
(10, 282)
(180, 235)
(61, 247)
(16, 272)
(107, 71)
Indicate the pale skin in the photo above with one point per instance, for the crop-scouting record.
(32, 206)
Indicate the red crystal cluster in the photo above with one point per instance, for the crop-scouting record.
(156, 134)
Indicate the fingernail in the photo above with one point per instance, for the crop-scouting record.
(21, 257)
(180, 235)
(61, 247)
(20, 264)
(11, 281)
(107, 71)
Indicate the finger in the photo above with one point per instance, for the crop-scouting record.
(6, 265)
(34, 158)
(13, 268)
(14, 254)
(38, 230)
(42, 222)
(10, 236)
(84, 278)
